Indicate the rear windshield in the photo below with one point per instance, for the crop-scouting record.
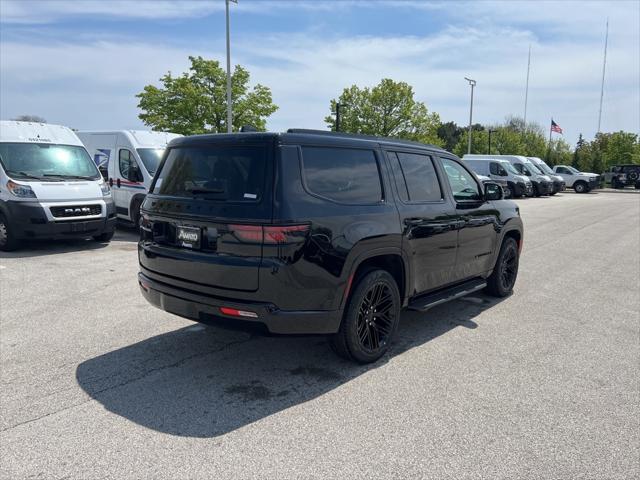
(214, 172)
(151, 158)
(44, 161)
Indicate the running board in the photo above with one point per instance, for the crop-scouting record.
(428, 301)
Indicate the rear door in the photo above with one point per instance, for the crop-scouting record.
(208, 215)
(428, 221)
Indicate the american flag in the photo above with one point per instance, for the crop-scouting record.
(555, 127)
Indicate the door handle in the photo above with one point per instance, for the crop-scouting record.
(110, 182)
(118, 182)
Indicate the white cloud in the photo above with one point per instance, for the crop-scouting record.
(92, 84)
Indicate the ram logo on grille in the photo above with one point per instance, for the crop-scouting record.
(77, 210)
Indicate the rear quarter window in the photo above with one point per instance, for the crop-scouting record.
(344, 175)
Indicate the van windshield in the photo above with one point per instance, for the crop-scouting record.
(509, 168)
(151, 158)
(47, 162)
(545, 168)
(213, 172)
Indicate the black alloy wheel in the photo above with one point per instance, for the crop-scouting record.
(501, 281)
(370, 319)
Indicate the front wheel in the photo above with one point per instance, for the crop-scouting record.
(8, 241)
(581, 187)
(501, 281)
(370, 319)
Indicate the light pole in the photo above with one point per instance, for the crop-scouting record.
(338, 105)
(490, 132)
(229, 106)
(473, 84)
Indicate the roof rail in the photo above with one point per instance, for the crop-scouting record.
(360, 136)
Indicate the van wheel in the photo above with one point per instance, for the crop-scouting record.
(501, 281)
(104, 237)
(581, 187)
(7, 240)
(370, 319)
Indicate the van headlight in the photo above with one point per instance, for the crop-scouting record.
(20, 190)
(106, 191)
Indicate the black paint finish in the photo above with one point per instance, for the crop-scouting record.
(296, 282)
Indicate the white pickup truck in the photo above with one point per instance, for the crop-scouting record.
(581, 182)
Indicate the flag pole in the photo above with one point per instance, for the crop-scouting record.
(526, 91)
(550, 132)
(604, 65)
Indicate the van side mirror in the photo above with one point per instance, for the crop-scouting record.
(493, 191)
(135, 175)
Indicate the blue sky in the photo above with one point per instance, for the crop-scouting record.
(81, 62)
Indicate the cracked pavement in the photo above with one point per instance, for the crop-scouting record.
(96, 383)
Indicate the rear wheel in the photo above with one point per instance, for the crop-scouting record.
(8, 241)
(370, 319)
(503, 277)
(581, 187)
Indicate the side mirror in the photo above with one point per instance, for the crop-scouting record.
(493, 191)
(135, 175)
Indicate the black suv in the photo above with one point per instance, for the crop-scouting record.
(310, 232)
(621, 176)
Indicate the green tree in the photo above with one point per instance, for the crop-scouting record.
(621, 147)
(196, 101)
(450, 134)
(559, 152)
(389, 109)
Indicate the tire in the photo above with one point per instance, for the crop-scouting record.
(501, 281)
(104, 237)
(364, 337)
(536, 190)
(637, 186)
(136, 218)
(8, 242)
(581, 187)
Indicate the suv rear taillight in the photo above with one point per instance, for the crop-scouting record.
(271, 234)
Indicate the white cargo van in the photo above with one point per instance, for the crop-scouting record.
(498, 169)
(128, 160)
(49, 186)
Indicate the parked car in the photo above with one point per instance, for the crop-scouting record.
(542, 184)
(498, 169)
(310, 232)
(581, 182)
(49, 186)
(559, 185)
(620, 176)
(127, 159)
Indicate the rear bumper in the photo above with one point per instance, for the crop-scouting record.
(206, 309)
(29, 220)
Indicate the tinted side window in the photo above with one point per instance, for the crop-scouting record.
(345, 175)
(415, 177)
(462, 183)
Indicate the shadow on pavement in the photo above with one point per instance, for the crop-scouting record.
(203, 381)
(37, 248)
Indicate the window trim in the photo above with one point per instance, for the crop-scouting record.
(131, 158)
(425, 153)
(453, 197)
(307, 189)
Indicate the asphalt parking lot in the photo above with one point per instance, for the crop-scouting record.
(96, 383)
